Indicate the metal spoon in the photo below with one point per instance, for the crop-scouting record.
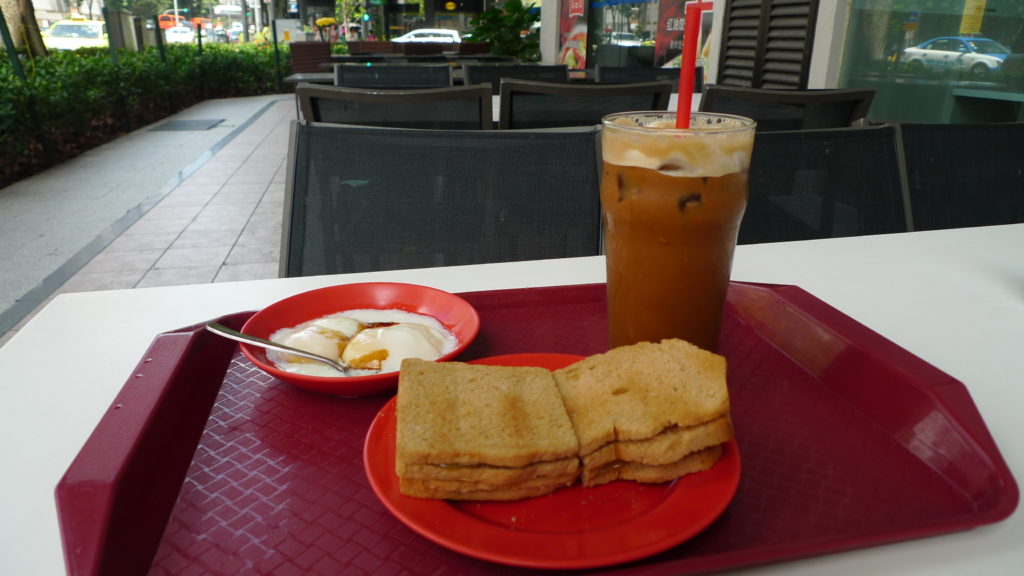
(256, 341)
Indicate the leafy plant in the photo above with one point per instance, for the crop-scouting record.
(508, 27)
(72, 101)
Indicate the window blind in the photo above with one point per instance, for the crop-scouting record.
(767, 43)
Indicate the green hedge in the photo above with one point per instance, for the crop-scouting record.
(73, 101)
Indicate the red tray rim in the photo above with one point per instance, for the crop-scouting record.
(90, 508)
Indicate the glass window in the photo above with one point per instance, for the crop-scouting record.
(76, 31)
(938, 61)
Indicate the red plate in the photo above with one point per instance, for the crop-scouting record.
(574, 527)
(452, 311)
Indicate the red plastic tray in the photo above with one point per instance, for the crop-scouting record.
(204, 464)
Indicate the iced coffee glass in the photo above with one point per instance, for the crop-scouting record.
(672, 201)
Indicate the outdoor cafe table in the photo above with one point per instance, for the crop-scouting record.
(954, 298)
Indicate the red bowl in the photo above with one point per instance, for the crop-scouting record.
(453, 312)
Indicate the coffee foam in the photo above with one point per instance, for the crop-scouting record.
(678, 153)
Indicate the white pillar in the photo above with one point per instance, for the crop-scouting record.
(549, 30)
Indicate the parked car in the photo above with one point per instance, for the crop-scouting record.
(625, 39)
(430, 35)
(979, 56)
(75, 33)
(180, 34)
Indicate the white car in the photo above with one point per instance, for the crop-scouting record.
(180, 35)
(430, 35)
(979, 56)
(625, 39)
(76, 33)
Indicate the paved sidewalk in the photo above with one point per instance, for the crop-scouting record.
(187, 200)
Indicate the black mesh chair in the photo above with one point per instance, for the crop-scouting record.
(362, 199)
(393, 76)
(493, 73)
(789, 109)
(529, 104)
(962, 175)
(631, 74)
(810, 184)
(452, 108)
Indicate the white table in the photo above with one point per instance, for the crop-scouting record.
(955, 298)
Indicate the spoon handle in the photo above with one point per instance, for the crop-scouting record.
(257, 341)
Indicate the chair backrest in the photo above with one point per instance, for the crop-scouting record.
(493, 73)
(810, 184)
(789, 109)
(530, 104)
(364, 199)
(308, 56)
(452, 108)
(631, 74)
(393, 76)
(962, 175)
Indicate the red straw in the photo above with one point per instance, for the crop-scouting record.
(691, 30)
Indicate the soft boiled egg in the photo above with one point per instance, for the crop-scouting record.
(367, 340)
(385, 347)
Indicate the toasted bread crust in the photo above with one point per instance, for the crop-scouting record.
(456, 486)
(650, 474)
(635, 392)
(667, 447)
(495, 475)
(454, 413)
(425, 489)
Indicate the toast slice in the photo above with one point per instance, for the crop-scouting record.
(456, 486)
(653, 474)
(470, 414)
(635, 392)
(494, 475)
(664, 448)
(426, 489)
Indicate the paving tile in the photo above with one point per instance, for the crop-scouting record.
(193, 257)
(158, 225)
(244, 199)
(266, 218)
(239, 272)
(105, 262)
(145, 241)
(164, 211)
(250, 188)
(173, 199)
(194, 188)
(209, 179)
(250, 175)
(219, 166)
(259, 253)
(197, 237)
(178, 276)
(269, 234)
(235, 221)
(188, 238)
(92, 281)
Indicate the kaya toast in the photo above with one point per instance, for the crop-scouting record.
(469, 431)
(648, 406)
(652, 473)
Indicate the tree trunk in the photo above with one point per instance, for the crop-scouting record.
(21, 21)
(33, 37)
(12, 15)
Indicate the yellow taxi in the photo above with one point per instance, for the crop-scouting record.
(75, 33)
